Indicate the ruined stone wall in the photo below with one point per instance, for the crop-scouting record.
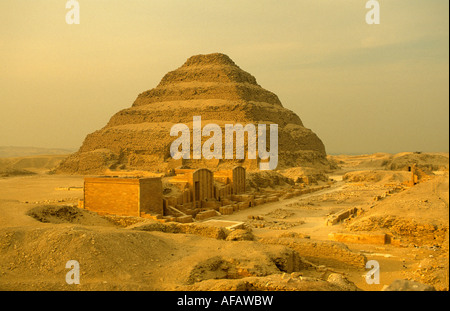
(235, 177)
(202, 184)
(223, 192)
(151, 200)
(238, 180)
(124, 196)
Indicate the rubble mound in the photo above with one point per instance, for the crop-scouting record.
(58, 214)
(408, 229)
(210, 86)
(273, 282)
(258, 260)
(408, 216)
(267, 179)
(377, 176)
(240, 235)
(190, 228)
(329, 253)
(280, 213)
(425, 161)
(305, 174)
(41, 253)
(408, 285)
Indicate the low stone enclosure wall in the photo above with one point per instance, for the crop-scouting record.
(188, 212)
(342, 215)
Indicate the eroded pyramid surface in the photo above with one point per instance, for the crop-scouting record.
(211, 86)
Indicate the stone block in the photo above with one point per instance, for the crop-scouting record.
(184, 219)
(205, 214)
(272, 198)
(226, 210)
(243, 205)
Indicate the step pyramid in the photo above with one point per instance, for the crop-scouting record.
(211, 86)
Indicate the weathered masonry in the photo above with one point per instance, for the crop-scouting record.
(203, 193)
(198, 194)
(204, 185)
(123, 196)
(235, 177)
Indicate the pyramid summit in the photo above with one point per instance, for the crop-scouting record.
(211, 86)
(212, 76)
(213, 59)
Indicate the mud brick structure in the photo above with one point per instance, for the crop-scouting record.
(417, 175)
(123, 196)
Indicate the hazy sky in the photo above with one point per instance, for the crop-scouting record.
(361, 88)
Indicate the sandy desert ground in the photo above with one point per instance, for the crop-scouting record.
(285, 245)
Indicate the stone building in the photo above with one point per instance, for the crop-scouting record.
(123, 196)
(206, 185)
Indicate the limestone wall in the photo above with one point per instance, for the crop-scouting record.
(118, 196)
(151, 196)
(123, 196)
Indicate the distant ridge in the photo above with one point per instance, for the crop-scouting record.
(16, 151)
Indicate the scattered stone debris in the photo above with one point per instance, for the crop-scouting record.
(294, 235)
(123, 221)
(341, 281)
(273, 224)
(240, 235)
(408, 285)
(343, 215)
(280, 213)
